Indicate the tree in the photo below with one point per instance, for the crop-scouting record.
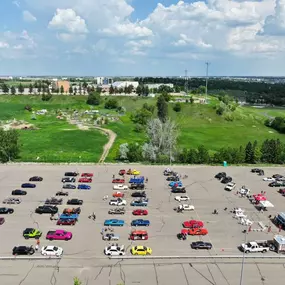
(70, 90)
(191, 100)
(203, 155)
(249, 153)
(39, 88)
(80, 88)
(74, 90)
(111, 90)
(111, 104)
(141, 116)
(93, 99)
(13, 90)
(139, 90)
(162, 108)
(177, 107)
(61, 89)
(31, 88)
(9, 147)
(21, 88)
(5, 88)
(46, 97)
(123, 151)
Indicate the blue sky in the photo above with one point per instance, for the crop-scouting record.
(142, 37)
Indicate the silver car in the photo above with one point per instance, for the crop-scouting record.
(110, 236)
(12, 201)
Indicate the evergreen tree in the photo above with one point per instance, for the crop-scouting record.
(249, 153)
(162, 109)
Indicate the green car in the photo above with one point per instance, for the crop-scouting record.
(32, 233)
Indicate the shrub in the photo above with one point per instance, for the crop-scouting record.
(177, 107)
(28, 108)
(111, 104)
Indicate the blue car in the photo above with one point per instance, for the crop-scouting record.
(28, 185)
(83, 187)
(140, 223)
(139, 203)
(69, 217)
(137, 180)
(114, 223)
(172, 183)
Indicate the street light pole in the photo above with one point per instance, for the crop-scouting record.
(243, 259)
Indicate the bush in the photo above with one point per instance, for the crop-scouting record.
(94, 99)
(112, 104)
(139, 128)
(28, 108)
(46, 97)
(177, 107)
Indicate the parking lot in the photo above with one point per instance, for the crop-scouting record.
(86, 247)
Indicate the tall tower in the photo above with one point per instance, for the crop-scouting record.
(186, 82)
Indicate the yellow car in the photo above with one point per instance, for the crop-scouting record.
(136, 172)
(141, 250)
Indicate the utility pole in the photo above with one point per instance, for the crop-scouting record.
(207, 75)
(243, 258)
(186, 82)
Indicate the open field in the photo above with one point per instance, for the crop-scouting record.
(83, 256)
(198, 124)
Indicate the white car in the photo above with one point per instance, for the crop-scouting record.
(244, 191)
(51, 250)
(230, 186)
(186, 207)
(118, 202)
(120, 187)
(269, 179)
(114, 250)
(182, 198)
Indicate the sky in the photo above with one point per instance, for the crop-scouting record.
(142, 37)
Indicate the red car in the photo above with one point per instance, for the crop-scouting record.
(118, 180)
(85, 180)
(122, 172)
(282, 191)
(118, 194)
(195, 232)
(70, 222)
(87, 174)
(193, 224)
(140, 212)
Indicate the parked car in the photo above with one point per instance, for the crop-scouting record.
(59, 235)
(277, 176)
(32, 233)
(46, 209)
(12, 200)
(230, 186)
(51, 250)
(201, 245)
(185, 207)
(271, 179)
(282, 191)
(226, 180)
(120, 187)
(139, 203)
(117, 202)
(175, 184)
(137, 186)
(2, 220)
(114, 223)
(73, 173)
(85, 180)
(4, 210)
(68, 180)
(113, 250)
(140, 223)
(122, 172)
(182, 198)
(141, 250)
(276, 184)
(23, 250)
(72, 211)
(117, 211)
(83, 187)
(172, 178)
(74, 202)
(66, 222)
(140, 212)
(68, 186)
(53, 201)
(36, 178)
(133, 172)
(110, 236)
(69, 216)
(61, 193)
(195, 231)
(118, 194)
(19, 192)
(193, 224)
(178, 189)
(220, 175)
(256, 170)
(140, 194)
(87, 174)
(118, 180)
(28, 185)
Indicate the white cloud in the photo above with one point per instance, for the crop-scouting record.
(4, 45)
(66, 37)
(28, 16)
(68, 20)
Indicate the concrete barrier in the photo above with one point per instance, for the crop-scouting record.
(29, 257)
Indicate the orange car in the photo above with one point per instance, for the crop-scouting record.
(195, 232)
(118, 194)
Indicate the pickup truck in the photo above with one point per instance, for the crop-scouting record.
(59, 235)
(255, 246)
(69, 217)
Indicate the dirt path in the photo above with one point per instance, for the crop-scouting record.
(112, 136)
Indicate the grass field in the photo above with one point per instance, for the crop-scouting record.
(58, 141)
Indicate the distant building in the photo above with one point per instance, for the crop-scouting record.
(58, 83)
(123, 84)
(103, 80)
(157, 85)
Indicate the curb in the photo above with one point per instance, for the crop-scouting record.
(29, 258)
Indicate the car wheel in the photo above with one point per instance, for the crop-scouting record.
(50, 239)
(26, 237)
(264, 251)
(66, 239)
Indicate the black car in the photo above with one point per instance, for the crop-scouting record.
(68, 186)
(61, 193)
(172, 178)
(74, 202)
(135, 186)
(36, 178)
(71, 173)
(23, 250)
(277, 176)
(53, 201)
(5, 210)
(226, 180)
(28, 185)
(256, 170)
(68, 179)
(201, 245)
(46, 209)
(141, 194)
(178, 190)
(221, 175)
(19, 192)
(276, 184)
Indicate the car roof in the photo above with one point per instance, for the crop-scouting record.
(29, 229)
(140, 247)
(50, 247)
(139, 232)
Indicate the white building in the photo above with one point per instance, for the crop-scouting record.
(123, 84)
(103, 80)
(157, 85)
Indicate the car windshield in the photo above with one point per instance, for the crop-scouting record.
(55, 248)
